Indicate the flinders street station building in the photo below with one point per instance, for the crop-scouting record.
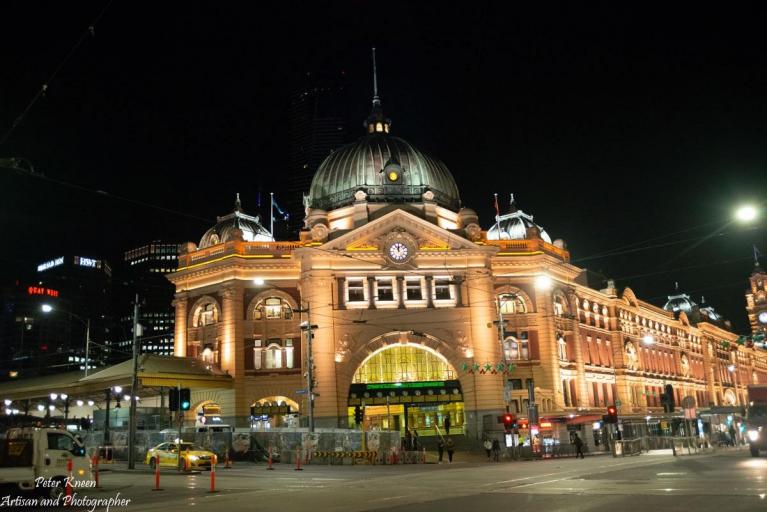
(417, 310)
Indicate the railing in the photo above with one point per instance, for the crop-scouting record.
(507, 246)
(625, 447)
(274, 249)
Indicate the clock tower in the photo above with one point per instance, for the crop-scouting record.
(756, 300)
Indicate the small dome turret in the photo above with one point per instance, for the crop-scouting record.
(237, 225)
(514, 225)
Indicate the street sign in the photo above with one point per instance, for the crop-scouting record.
(301, 391)
(688, 402)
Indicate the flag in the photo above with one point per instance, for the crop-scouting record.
(757, 253)
(497, 208)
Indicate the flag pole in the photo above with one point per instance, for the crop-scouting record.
(271, 214)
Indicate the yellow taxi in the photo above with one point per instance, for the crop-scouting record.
(166, 454)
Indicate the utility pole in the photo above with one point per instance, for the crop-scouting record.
(87, 345)
(501, 340)
(309, 327)
(106, 421)
(133, 390)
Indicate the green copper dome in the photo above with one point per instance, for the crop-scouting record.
(388, 169)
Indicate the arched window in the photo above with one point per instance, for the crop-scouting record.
(560, 305)
(511, 303)
(273, 308)
(205, 314)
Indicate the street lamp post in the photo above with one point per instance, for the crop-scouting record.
(47, 308)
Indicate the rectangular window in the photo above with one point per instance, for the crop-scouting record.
(385, 290)
(442, 289)
(355, 290)
(413, 287)
(515, 383)
(257, 355)
(288, 353)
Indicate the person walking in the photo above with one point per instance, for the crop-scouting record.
(488, 448)
(440, 448)
(578, 442)
(450, 447)
(496, 450)
(447, 425)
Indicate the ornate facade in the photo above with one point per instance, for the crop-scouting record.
(417, 313)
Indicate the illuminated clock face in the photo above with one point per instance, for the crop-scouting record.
(763, 317)
(392, 175)
(398, 251)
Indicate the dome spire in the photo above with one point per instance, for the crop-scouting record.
(376, 122)
(512, 203)
(237, 203)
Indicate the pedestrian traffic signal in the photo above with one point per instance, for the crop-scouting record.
(359, 414)
(185, 401)
(508, 421)
(173, 399)
(612, 415)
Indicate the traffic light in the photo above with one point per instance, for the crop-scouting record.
(669, 404)
(173, 399)
(508, 421)
(612, 415)
(359, 414)
(185, 401)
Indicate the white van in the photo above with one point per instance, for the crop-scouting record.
(36, 458)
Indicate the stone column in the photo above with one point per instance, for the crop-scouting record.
(459, 290)
(483, 393)
(580, 366)
(232, 345)
(371, 292)
(547, 375)
(429, 291)
(180, 327)
(401, 292)
(317, 295)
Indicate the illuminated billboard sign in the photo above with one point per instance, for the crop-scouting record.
(38, 290)
(50, 264)
(82, 261)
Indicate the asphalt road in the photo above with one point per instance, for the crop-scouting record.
(730, 481)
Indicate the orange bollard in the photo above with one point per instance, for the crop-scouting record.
(298, 460)
(95, 465)
(269, 467)
(213, 474)
(156, 477)
(69, 480)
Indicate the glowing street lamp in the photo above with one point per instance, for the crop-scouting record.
(543, 282)
(648, 339)
(54, 396)
(40, 407)
(746, 213)
(259, 281)
(79, 403)
(46, 308)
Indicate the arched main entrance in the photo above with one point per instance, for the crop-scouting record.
(407, 387)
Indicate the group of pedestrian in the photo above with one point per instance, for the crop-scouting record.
(446, 444)
(492, 448)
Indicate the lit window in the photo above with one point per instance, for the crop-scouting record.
(413, 289)
(273, 356)
(288, 353)
(562, 349)
(511, 304)
(273, 308)
(385, 290)
(442, 289)
(517, 348)
(355, 289)
(257, 354)
(559, 306)
(206, 314)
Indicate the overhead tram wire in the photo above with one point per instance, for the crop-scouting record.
(89, 32)
(109, 195)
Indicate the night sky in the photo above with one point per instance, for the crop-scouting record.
(612, 127)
